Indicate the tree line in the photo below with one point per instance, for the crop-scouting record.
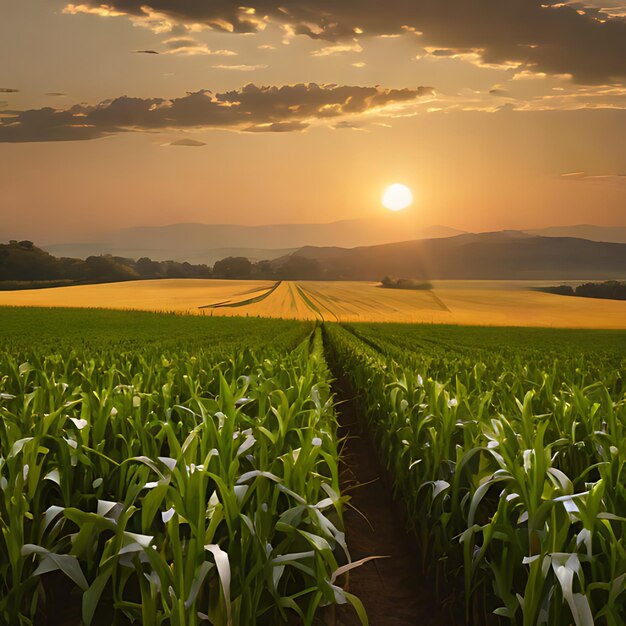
(23, 264)
(607, 290)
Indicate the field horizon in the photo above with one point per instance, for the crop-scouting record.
(485, 303)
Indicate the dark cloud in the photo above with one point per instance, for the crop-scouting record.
(55, 94)
(347, 126)
(145, 52)
(191, 143)
(251, 108)
(450, 52)
(425, 91)
(543, 35)
(8, 90)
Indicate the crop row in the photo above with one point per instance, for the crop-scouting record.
(512, 470)
(167, 488)
(93, 332)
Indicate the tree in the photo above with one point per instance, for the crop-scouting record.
(148, 268)
(299, 268)
(264, 269)
(232, 267)
(105, 269)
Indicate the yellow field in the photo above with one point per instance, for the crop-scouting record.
(494, 303)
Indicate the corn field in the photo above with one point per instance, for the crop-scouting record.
(168, 470)
(170, 487)
(511, 465)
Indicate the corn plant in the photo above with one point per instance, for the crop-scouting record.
(171, 487)
(511, 467)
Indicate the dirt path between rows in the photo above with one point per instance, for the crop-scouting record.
(392, 589)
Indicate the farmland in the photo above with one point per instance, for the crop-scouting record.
(173, 469)
(175, 486)
(509, 454)
(489, 303)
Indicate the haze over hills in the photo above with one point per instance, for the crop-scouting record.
(503, 255)
(207, 243)
(363, 248)
(611, 234)
(182, 253)
(487, 256)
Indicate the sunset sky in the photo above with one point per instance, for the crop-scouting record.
(497, 113)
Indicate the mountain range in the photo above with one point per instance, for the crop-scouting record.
(207, 243)
(485, 256)
(504, 255)
(610, 234)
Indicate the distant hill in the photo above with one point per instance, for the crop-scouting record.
(180, 255)
(207, 243)
(505, 255)
(612, 234)
(500, 255)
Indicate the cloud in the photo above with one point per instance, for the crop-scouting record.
(252, 108)
(450, 52)
(191, 47)
(8, 90)
(145, 52)
(547, 36)
(526, 97)
(55, 94)
(612, 7)
(595, 178)
(277, 127)
(425, 91)
(337, 49)
(347, 125)
(240, 68)
(573, 98)
(191, 143)
(526, 75)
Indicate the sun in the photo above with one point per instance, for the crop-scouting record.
(397, 197)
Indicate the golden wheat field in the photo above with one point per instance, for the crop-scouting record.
(449, 302)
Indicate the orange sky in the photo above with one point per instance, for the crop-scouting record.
(483, 114)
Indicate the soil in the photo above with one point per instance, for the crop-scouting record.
(391, 589)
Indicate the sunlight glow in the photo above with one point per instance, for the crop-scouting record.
(397, 197)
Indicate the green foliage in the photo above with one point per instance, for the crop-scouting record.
(233, 267)
(178, 479)
(183, 470)
(26, 328)
(509, 450)
(22, 263)
(289, 267)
